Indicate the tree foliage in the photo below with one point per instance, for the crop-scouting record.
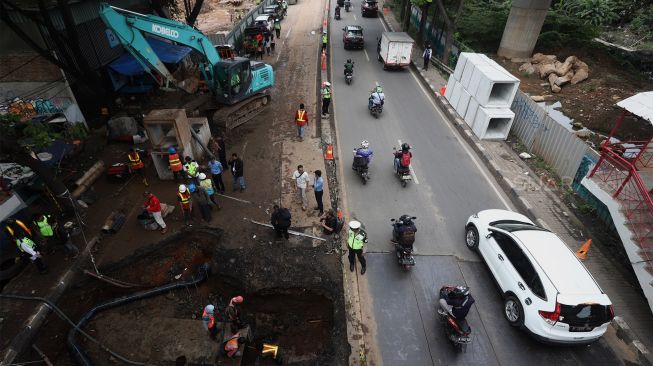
(595, 12)
(560, 30)
(482, 23)
(643, 22)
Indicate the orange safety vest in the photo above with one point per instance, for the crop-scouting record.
(175, 163)
(136, 160)
(231, 346)
(301, 117)
(185, 198)
(210, 318)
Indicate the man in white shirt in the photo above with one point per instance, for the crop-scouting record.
(301, 181)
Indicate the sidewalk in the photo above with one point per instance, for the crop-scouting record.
(634, 322)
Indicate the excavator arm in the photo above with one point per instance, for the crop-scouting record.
(130, 27)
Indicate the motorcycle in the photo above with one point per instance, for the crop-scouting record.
(457, 331)
(404, 253)
(347, 5)
(349, 75)
(403, 173)
(361, 166)
(375, 109)
(337, 14)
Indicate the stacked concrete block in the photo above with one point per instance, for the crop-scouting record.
(482, 92)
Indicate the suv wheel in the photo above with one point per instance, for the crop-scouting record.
(471, 237)
(513, 311)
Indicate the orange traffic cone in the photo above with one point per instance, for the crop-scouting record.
(323, 60)
(582, 252)
(329, 153)
(340, 216)
(443, 90)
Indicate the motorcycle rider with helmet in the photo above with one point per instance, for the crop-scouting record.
(337, 14)
(364, 151)
(405, 149)
(403, 232)
(456, 300)
(349, 67)
(377, 97)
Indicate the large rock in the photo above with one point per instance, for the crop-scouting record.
(565, 67)
(546, 68)
(562, 80)
(552, 79)
(527, 69)
(580, 75)
(540, 58)
(542, 98)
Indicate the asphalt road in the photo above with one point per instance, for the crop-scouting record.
(449, 185)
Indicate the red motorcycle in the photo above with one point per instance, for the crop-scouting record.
(456, 329)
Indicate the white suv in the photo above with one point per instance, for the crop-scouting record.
(546, 289)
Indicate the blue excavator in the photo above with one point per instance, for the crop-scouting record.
(239, 86)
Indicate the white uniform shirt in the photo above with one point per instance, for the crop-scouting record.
(300, 179)
(377, 98)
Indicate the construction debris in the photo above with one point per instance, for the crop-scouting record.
(557, 73)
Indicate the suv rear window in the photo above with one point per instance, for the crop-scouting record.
(584, 315)
(512, 226)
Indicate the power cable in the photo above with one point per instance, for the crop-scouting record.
(19, 67)
(63, 316)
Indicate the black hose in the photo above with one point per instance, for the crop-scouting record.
(78, 352)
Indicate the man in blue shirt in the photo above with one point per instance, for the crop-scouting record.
(216, 171)
(318, 187)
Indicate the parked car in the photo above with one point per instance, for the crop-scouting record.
(352, 36)
(547, 290)
(265, 22)
(369, 8)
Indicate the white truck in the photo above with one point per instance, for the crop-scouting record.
(394, 49)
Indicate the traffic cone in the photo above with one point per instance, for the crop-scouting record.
(340, 215)
(582, 252)
(329, 153)
(323, 60)
(443, 89)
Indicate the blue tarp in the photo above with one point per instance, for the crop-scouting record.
(168, 53)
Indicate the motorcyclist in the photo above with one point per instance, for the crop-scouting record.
(456, 300)
(347, 4)
(349, 67)
(337, 11)
(364, 151)
(377, 97)
(404, 232)
(405, 149)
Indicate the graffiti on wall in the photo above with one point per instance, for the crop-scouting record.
(32, 107)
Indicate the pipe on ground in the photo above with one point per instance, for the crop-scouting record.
(79, 354)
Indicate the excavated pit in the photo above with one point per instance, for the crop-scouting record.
(293, 298)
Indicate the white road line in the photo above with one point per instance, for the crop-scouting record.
(354, 17)
(377, 84)
(462, 143)
(287, 34)
(412, 171)
(281, 45)
(366, 55)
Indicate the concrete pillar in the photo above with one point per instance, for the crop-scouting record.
(523, 27)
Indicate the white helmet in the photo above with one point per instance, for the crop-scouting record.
(354, 225)
(202, 176)
(182, 188)
(210, 308)
(326, 83)
(365, 144)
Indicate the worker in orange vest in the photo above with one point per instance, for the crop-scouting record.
(301, 119)
(175, 164)
(208, 319)
(232, 312)
(137, 165)
(183, 196)
(231, 346)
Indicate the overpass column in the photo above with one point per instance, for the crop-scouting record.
(523, 27)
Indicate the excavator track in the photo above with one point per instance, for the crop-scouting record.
(230, 117)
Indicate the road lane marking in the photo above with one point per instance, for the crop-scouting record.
(462, 143)
(354, 17)
(410, 167)
(366, 56)
(377, 84)
(287, 34)
(282, 43)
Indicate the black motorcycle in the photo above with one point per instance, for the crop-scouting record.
(349, 75)
(375, 109)
(347, 5)
(456, 330)
(403, 173)
(403, 251)
(337, 14)
(361, 166)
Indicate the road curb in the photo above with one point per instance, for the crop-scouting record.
(37, 319)
(626, 334)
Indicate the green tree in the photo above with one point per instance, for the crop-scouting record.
(450, 12)
(595, 12)
(424, 6)
(482, 24)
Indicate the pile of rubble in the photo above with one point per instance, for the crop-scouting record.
(572, 70)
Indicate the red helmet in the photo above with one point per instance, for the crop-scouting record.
(237, 300)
